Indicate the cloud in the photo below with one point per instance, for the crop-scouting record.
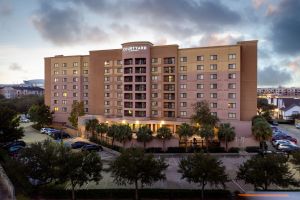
(219, 39)
(15, 67)
(285, 29)
(64, 25)
(258, 3)
(5, 8)
(273, 76)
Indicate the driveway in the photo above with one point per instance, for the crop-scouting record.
(32, 135)
(291, 130)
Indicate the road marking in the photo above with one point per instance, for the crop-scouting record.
(238, 185)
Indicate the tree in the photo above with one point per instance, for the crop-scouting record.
(9, 125)
(261, 131)
(206, 132)
(133, 166)
(185, 131)
(78, 168)
(124, 133)
(203, 115)
(91, 126)
(77, 110)
(202, 169)
(261, 172)
(102, 128)
(144, 134)
(112, 132)
(226, 133)
(263, 106)
(164, 133)
(41, 115)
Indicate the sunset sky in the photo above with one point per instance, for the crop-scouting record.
(33, 29)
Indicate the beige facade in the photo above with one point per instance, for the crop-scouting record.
(146, 84)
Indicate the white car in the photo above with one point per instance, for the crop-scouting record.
(277, 142)
(297, 126)
(286, 146)
(24, 120)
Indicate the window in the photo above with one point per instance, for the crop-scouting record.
(75, 87)
(213, 57)
(200, 58)
(85, 79)
(55, 101)
(231, 105)
(86, 102)
(154, 60)
(119, 70)
(213, 113)
(154, 103)
(154, 95)
(55, 64)
(64, 80)
(56, 109)
(231, 95)
(107, 111)
(182, 113)
(106, 103)
(64, 109)
(119, 87)
(231, 56)
(183, 59)
(213, 105)
(213, 86)
(153, 69)
(56, 72)
(55, 87)
(154, 86)
(213, 95)
(119, 103)
(183, 77)
(119, 78)
(232, 66)
(213, 76)
(183, 95)
(200, 86)
(55, 94)
(200, 76)
(119, 62)
(85, 64)
(106, 71)
(64, 87)
(231, 76)
(154, 112)
(107, 62)
(232, 115)
(86, 110)
(183, 104)
(86, 87)
(183, 68)
(64, 64)
(64, 94)
(107, 87)
(182, 86)
(200, 67)
(107, 94)
(169, 60)
(200, 95)
(154, 78)
(106, 78)
(56, 80)
(74, 94)
(170, 69)
(85, 71)
(75, 79)
(213, 67)
(75, 64)
(85, 94)
(64, 72)
(231, 85)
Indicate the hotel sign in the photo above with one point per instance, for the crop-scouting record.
(134, 48)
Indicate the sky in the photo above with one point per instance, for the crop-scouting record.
(33, 29)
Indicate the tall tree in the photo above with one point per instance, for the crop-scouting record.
(91, 126)
(102, 128)
(203, 169)
(203, 115)
(261, 131)
(164, 133)
(77, 110)
(124, 134)
(226, 133)
(263, 106)
(41, 115)
(261, 172)
(185, 131)
(9, 125)
(133, 166)
(206, 132)
(144, 134)
(112, 132)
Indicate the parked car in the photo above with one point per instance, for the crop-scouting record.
(14, 150)
(24, 120)
(45, 130)
(15, 143)
(284, 137)
(92, 147)
(284, 142)
(60, 135)
(288, 148)
(276, 142)
(297, 126)
(275, 123)
(78, 144)
(52, 132)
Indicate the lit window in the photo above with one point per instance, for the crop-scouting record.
(107, 95)
(106, 103)
(106, 78)
(106, 62)
(107, 111)
(85, 94)
(107, 87)
(56, 109)
(65, 94)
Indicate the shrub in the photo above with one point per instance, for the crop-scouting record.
(234, 150)
(154, 150)
(176, 150)
(252, 149)
(216, 149)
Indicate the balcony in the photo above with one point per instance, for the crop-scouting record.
(128, 61)
(169, 60)
(127, 87)
(170, 96)
(128, 113)
(128, 96)
(140, 105)
(140, 87)
(169, 114)
(169, 69)
(140, 96)
(169, 105)
(140, 61)
(170, 78)
(128, 104)
(128, 70)
(128, 79)
(169, 87)
(140, 79)
(140, 113)
(140, 70)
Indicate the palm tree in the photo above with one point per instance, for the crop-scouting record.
(124, 133)
(112, 132)
(206, 132)
(144, 134)
(91, 125)
(185, 131)
(102, 128)
(164, 133)
(226, 133)
(261, 131)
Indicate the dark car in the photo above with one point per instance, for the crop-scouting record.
(92, 147)
(15, 143)
(14, 150)
(290, 149)
(60, 135)
(78, 144)
(275, 123)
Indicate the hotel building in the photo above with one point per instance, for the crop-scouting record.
(146, 84)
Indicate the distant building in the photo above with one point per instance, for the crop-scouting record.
(11, 92)
(280, 91)
(34, 83)
(287, 107)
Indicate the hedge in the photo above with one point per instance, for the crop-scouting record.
(252, 149)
